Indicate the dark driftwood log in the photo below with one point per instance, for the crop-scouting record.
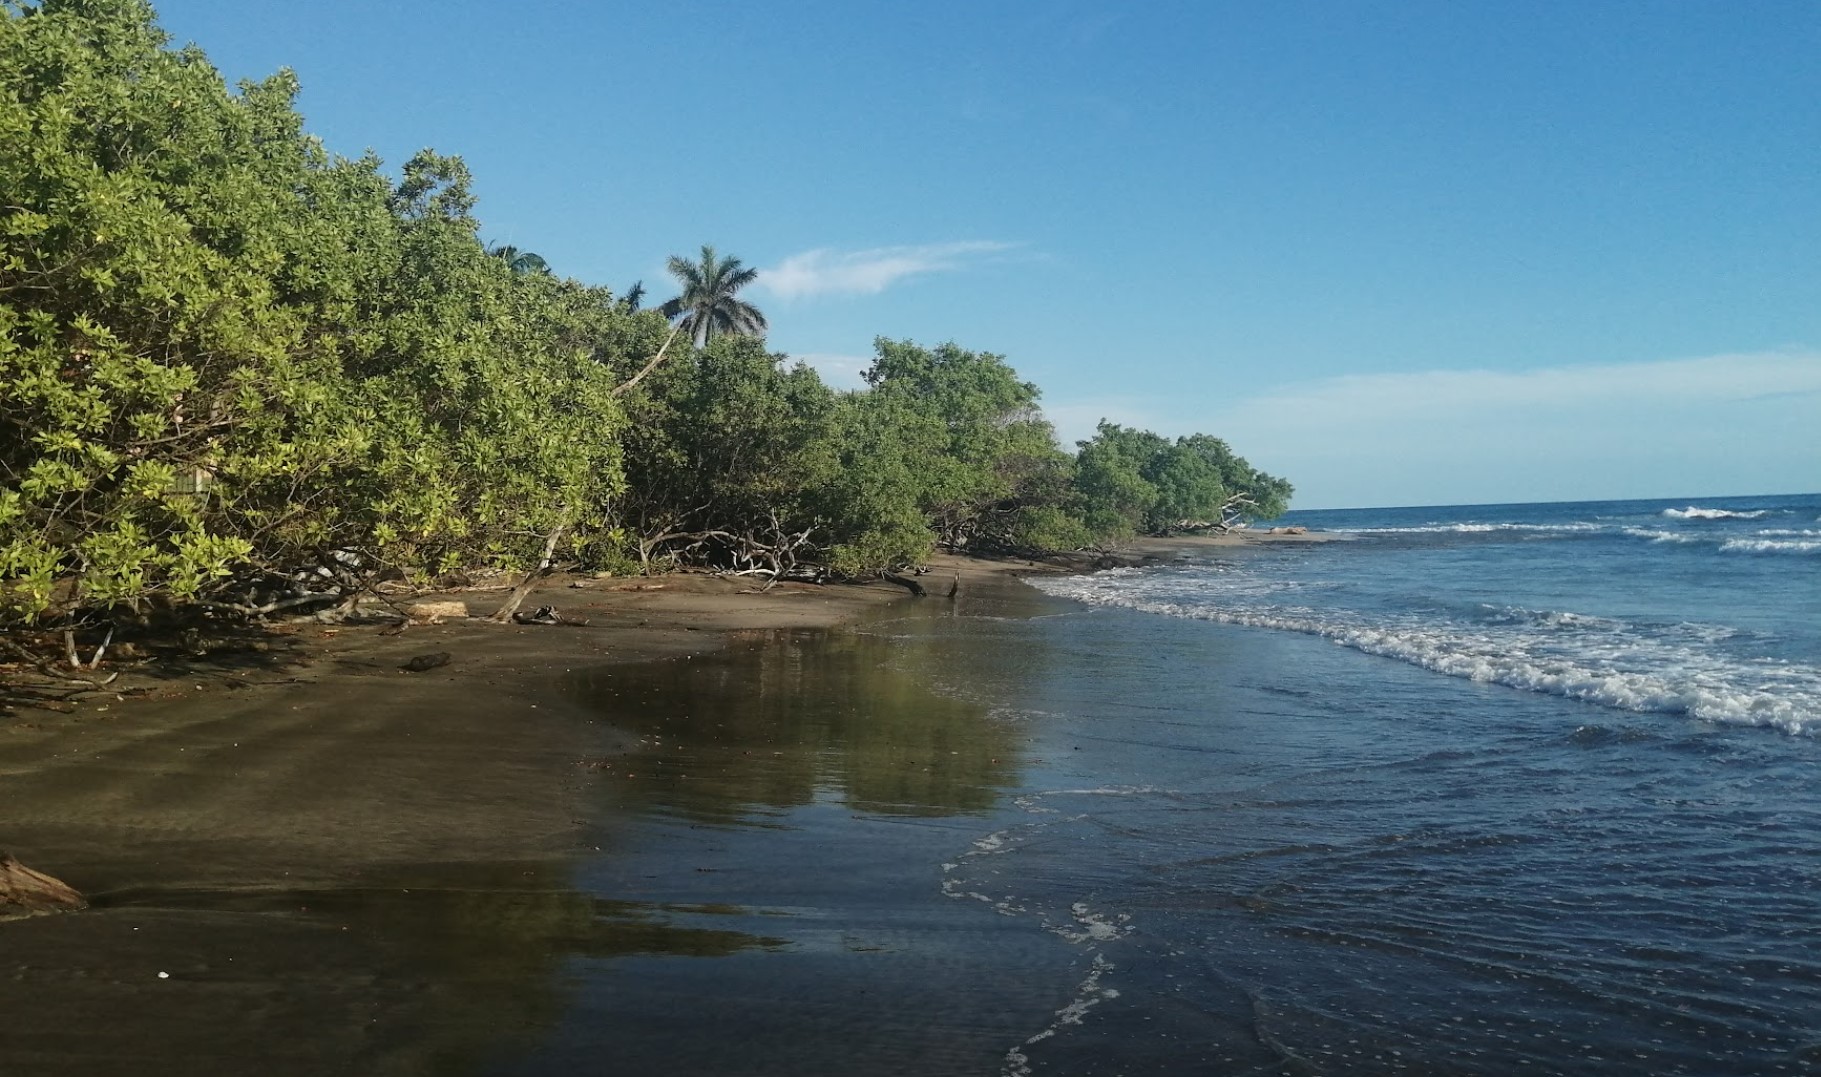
(425, 662)
(548, 615)
(905, 582)
(24, 892)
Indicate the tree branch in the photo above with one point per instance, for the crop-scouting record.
(627, 385)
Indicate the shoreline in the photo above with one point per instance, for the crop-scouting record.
(324, 752)
(321, 743)
(239, 829)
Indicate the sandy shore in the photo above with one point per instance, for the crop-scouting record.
(238, 829)
(321, 755)
(324, 755)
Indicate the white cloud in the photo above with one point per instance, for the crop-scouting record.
(868, 272)
(1076, 420)
(1449, 393)
(838, 371)
(1720, 424)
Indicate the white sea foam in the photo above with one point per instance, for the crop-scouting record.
(1558, 653)
(1091, 926)
(1741, 545)
(1655, 535)
(1558, 617)
(1696, 512)
(1465, 528)
(1088, 994)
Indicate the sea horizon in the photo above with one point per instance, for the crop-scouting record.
(1295, 510)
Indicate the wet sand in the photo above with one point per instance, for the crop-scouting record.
(337, 866)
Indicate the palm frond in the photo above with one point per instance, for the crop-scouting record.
(708, 306)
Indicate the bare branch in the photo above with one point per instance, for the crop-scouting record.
(627, 385)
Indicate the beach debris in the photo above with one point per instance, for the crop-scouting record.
(24, 892)
(548, 615)
(509, 612)
(905, 582)
(436, 612)
(427, 661)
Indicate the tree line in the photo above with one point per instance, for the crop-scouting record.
(240, 372)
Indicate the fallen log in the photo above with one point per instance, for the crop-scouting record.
(433, 613)
(549, 615)
(24, 892)
(905, 582)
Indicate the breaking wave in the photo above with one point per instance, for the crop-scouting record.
(1696, 512)
(1771, 546)
(1655, 535)
(1667, 670)
(1466, 528)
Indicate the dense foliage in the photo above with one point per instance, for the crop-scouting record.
(237, 369)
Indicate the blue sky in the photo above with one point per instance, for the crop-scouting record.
(1401, 253)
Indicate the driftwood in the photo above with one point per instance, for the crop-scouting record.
(435, 612)
(426, 662)
(513, 601)
(76, 662)
(24, 892)
(905, 582)
(52, 671)
(548, 615)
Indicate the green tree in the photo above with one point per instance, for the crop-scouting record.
(710, 305)
(1114, 499)
(728, 452)
(226, 355)
(146, 212)
(972, 436)
(1131, 481)
(521, 261)
(238, 369)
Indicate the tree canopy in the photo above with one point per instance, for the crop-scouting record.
(243, 373)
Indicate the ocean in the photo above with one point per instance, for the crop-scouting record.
(1499, 789)
(1711, 610)
(1473, 790)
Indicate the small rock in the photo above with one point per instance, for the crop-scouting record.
(427, 661)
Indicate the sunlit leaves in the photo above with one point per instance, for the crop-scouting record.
(223, 350)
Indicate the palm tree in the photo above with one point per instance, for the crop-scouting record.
(522, 262)
(634, 297)
(708, 305)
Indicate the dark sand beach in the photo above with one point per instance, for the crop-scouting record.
(332, 865)
(327, 864)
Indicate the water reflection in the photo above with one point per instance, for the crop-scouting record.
(470, 929)
(784, 719)
(410, 969)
